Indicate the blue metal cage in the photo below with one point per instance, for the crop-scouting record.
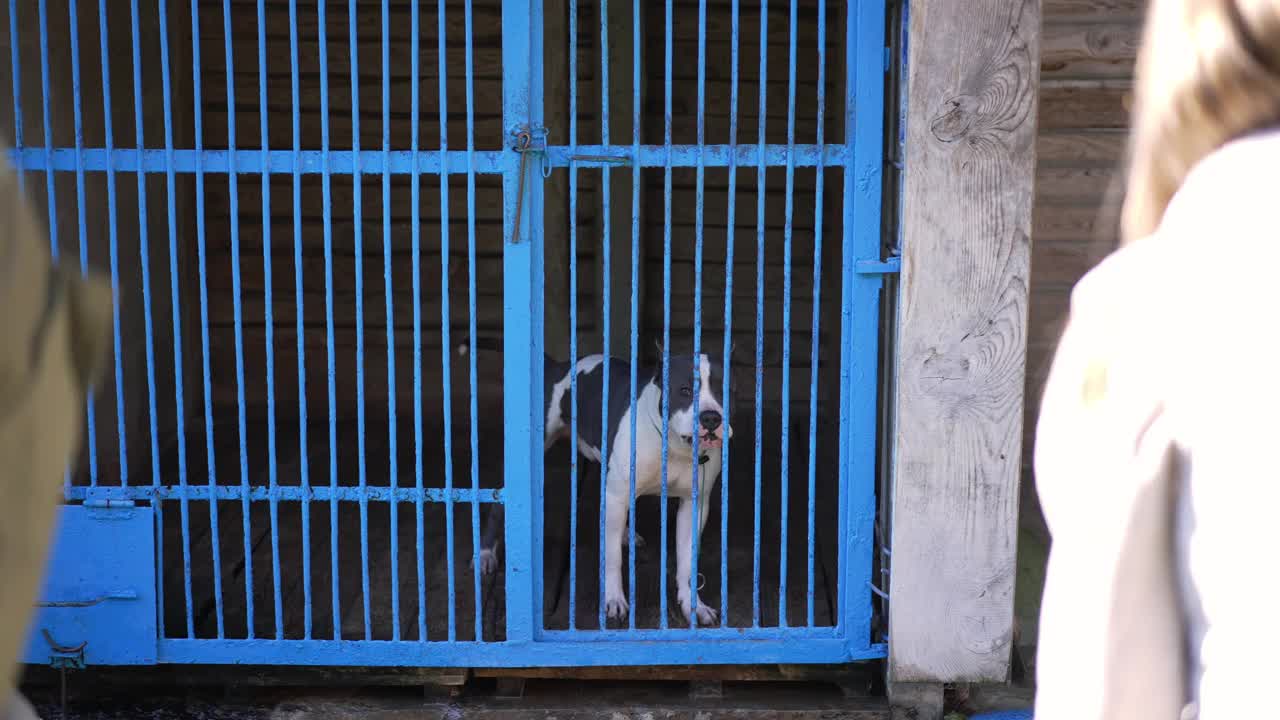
(287, 466)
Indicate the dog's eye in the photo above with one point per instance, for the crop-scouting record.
(685, 391)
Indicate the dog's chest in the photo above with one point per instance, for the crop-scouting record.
(679, 469)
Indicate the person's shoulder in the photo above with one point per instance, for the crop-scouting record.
(1228, 195)
(1223, 214)
(1124, 277)
(1234, 168)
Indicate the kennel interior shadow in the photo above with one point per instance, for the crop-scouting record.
(388, 563)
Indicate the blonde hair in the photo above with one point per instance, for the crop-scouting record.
(1208, 72)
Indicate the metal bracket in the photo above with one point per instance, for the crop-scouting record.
(110, 595)
(108, 503)
(600, 159)
(64, 657)
(887, 266)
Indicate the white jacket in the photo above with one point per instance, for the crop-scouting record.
(1156, 463)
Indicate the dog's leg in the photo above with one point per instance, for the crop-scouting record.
(615, 598)
(707, 484)
(626, 534)
(491, 529)
(706, 615)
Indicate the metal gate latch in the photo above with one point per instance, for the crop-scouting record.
(528, 139)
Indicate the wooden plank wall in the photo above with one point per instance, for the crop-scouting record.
(88, 200)
(1086, 69)
(747, 251)
(368, 263)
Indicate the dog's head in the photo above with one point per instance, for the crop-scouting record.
(696, 401)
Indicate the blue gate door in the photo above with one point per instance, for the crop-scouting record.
(669, 639)
(349, 553)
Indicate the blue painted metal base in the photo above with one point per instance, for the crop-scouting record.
(98, 603)
(544, 654)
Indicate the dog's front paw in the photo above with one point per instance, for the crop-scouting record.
(706, 615)
(626, 540)
(615, 604)
(488, 561)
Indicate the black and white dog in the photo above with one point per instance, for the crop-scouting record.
(692, 421)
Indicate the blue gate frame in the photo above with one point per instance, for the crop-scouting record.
(521, 163)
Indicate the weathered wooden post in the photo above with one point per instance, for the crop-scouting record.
(970, 159)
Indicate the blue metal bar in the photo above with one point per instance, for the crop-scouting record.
(234, 200)
(327, 202)
(710, 646)
(636, 118)
(272, 460)
(108, 135)
(730, 225)
(471, 335)
(819, 177)
(699, 198)
(864, 130)
(15, 69)
(284, 493)
(198, 106)
(430, 162)
(759, 374)
(415, 184)
(46, 151)
(357, 202)
(536, 316)
(686, 635)
(73, 11)
(144, 257)
(573, 329)
(786, 324)
(521, 71)
(304, 462)
(446, 379)
(393, 451)
(606, 244)
(179, 402)
(666, 321)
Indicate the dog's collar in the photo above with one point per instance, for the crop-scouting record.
(703, 458)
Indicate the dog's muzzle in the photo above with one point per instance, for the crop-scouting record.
(711, 429)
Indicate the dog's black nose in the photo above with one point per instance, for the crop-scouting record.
(710, 420)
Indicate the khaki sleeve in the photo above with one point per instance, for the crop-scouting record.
(54, 333)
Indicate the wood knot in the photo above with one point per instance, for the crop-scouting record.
(992, 101)
(957, 118)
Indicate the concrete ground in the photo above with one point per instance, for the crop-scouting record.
(558, 700)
